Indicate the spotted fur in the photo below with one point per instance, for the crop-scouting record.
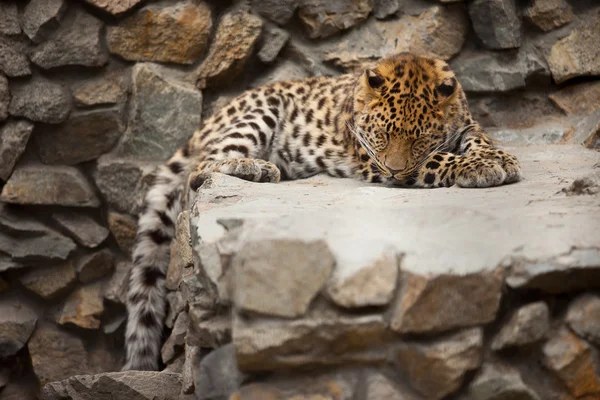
(405, 122)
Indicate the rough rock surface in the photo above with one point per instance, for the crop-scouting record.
(234, 42)
(12, 61)
(385, 8)
(105, 90)
(14, 136)
(114, 7)
(33, 183)
(75, 43)
(549, 14)
(116, 288)
(42, 17)
(83, 307)
(17, 321)
(4, 97)
(9, 18)
(497, 382)
(279, 11)
(181, 252)
(50, 104)
(163, 114)
(583, 317)
(49, 282)
(93, 266)
(218, 374)
(123, 228)
(178, 34)
(437, 369)
(84, 229)
(529, 324)
(496, 22)
(583, 98)
(273, 40)
(83, 137)
(324, 18)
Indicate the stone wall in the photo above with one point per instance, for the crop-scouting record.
(94, 94)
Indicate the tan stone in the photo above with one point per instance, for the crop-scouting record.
(437, 368)
(83, 307)
(280, 277)
(234, 42)
(574, 362)
(48, 282)
(324, 18)
(583, 317)
(527, 325)
(579, 99)
(108, 89)
(123, 228)
(114, 7)
(94, 266)
(444, 302)
(177, 34)
(379, 387)
(572, 56)
(549, 14)
(181, 251)
(115, 289)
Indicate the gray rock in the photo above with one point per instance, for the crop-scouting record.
(497, 382)
(12, 60)
(174, 344)
(50, 103)
(123, 228)
(545, 133)
(77, 42)
(17, 321)
(262, 286)
(124, 183)
(279, 11)
(114, 7)
(177, 304)
(282, 70)
(578, 99)
(83, 137)
(209, 328)
(218, 375)
(9, 18)
(107, 89)
(325, 18)
(181, 252)
(49, 282)
(84, 229)
(33, 183)
(583, 317)
(24, 238)
(274, 39)
(164, 113)
(129, 385)
(549, 14)
(14, 136)
(7, 263)
(379, 387)
(116, 288)
(94, 266)
(496, 22)
(193, 356)
(437, 368)
(4, 97)
(42, 17)
(528, 324)
(385, 8)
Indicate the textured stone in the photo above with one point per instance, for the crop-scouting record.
(191, 363)
(266, 283)
(123, 228)
(17, 321)
(279, 11)
(218, 375)
(9, 18)
(12, 60)
(83, 137)
(443, 302)
(176, 305)
(42, 17)
(163, 114)
(116, 288)
(181, 251)
(496, 23)
(56, 354)
(283, 70)
(371, 285)
(437, 368)
(573, 361)
(107, 89)
(549, 14)
(576, 270)
(236, 35)
(497, 382)
(114, 7)
(49, 282)
(571, 56)
(84, 229)
(325, 18)
(41, 101)
(174, 344)
(83, 307)
(124, 183)
(14, 136)
(274, 39)
(379, 387)
(132, 385)
(93, 266)
(33, 183)
(385, 8)
(583, 317)
(179, 34)
(209, 328)
(578, 99)
(438, 31)
(77, 42)
(4, 97)
(528, 324)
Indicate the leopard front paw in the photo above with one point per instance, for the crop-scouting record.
(255, 170)
(480, 173)
(511, 166)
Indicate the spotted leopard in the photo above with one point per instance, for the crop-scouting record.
(405, 122)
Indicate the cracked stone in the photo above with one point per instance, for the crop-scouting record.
(83, 228)
(322, 18)
(42, 17)
(17, 322)
(234, 42)
(114, 7)
(123, 228)
(50, 102)
(94, 266)
(77, 42)
(583, 317)
(177, 34)
(549, 14)
(14, 136)
(9, 18)
(49, 282)
(34, 183)
(496, 23)
(438, 368)
(13, 62)
(529, 324)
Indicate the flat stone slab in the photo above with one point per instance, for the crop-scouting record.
(435, 231)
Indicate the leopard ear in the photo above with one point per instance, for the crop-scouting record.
(446, 89)
(374, 80)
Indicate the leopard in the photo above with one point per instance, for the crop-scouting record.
(404, 122)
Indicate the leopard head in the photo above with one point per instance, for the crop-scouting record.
(405, 108)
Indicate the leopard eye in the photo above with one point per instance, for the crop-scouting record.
(375, 81)
(446, 89)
